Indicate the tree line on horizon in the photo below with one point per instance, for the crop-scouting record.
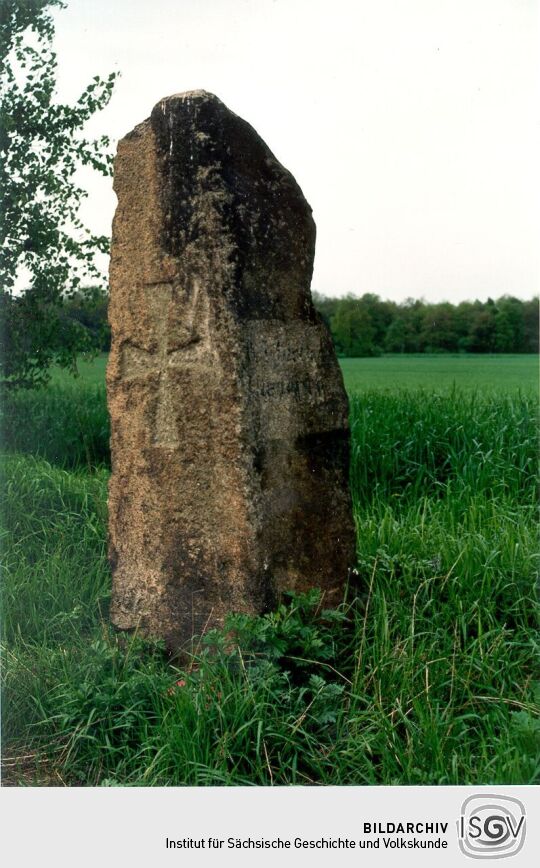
(34, 335)
(364, 326)
(361, 326)
(369, 326)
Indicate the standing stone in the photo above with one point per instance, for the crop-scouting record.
(230, 435)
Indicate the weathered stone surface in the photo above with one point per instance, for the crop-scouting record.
(229, 417)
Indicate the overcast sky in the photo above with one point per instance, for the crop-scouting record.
(411, 125)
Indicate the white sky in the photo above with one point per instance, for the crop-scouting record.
(411, 125)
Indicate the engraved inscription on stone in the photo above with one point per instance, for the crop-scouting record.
(296, 388)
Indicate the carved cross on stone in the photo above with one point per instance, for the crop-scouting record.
(173, 348)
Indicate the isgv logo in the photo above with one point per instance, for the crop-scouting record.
(491, 827)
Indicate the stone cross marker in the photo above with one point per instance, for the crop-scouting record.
(136, 361)
(229, 418)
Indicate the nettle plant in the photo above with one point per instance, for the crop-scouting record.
(43, 241)
(288, 655)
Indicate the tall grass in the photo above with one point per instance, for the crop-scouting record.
(425, 675)
(66, 424)
(414, 444)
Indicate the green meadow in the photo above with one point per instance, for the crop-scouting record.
(426, 674)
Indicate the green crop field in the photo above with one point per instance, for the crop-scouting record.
(470, 372)
(501, 372)
(425, 675)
